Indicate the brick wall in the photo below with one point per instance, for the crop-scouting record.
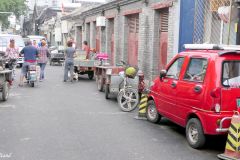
(145, 57)
(103, 39)
(93, 34)
(173, 30)
(148, 40)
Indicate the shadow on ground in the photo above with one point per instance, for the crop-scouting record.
(216, 143)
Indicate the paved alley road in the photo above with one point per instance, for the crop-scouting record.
(73, 121)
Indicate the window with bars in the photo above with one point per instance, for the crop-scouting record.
(164, 14)
(133, 23)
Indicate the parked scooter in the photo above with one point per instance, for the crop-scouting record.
(31, 75)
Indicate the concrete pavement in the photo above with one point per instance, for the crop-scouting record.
(73, 121)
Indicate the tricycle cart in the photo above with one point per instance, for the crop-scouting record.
(101, 74)
(87, 66)
(5, 78)
(56, 55)
(82, 67)
(115, 81)
(5, 81)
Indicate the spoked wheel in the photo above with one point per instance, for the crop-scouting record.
(32, 84)
(128, 101)
(107, 91)
(5, 91)
(100, 83)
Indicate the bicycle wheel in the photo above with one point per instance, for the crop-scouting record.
(128, 101)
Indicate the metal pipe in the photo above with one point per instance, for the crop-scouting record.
(221, 129)
(221, 34)
(230, 17)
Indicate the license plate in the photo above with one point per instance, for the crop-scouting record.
(238, 102)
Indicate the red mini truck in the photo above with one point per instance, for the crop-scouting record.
(199, 90)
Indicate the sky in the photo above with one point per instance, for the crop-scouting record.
(44, 2)
(93, 0)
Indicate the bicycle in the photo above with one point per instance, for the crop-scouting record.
(128, 97)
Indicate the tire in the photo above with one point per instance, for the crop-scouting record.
(90, 75)
(194, 125)
(5, 91)
(20, 65)
(96, 78)
(100, 83)
(51, 63)
(32, 84)
(107, 92)
(128, 105)
(152, 112)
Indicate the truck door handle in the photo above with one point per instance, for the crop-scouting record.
(174, 84)
(197, 89)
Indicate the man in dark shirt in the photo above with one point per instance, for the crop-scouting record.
(30, 57)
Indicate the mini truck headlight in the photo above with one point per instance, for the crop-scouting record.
(217, 108)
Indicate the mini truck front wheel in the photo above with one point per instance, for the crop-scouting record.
(194, 133)
(152, 113)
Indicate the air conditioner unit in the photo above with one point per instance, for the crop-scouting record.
(101, 21)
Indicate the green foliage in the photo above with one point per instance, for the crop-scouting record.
(18, 7)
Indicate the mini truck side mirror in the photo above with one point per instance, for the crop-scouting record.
(163, 73)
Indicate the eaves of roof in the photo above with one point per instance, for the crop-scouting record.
(107, 6)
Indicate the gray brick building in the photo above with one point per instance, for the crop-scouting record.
(142, 32)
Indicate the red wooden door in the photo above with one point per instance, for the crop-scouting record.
(133, 28)
(163, 38)
(98, 39)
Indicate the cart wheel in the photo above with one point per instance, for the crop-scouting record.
(107, 91)
(5, 91)
(96, 78)
(32, 84)
(100, 83)
(90, 75)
